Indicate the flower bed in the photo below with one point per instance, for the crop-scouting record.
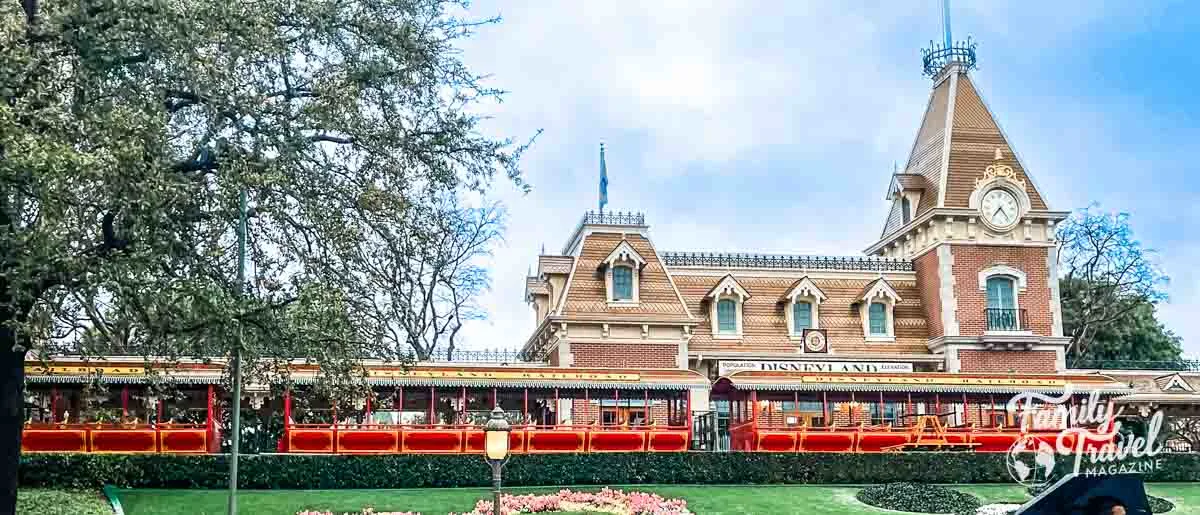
(997, 509)
(606, 500)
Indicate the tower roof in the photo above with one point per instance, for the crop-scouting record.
(957, 140)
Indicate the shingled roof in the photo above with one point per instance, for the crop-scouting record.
(956, 142)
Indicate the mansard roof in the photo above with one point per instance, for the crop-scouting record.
(955, 143)
(764, 323)
(585, 293)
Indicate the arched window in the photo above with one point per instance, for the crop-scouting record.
(905, 209)
(727, 316)
(622, 283)
(1002, 304)
(1000, 293)
(801, 316)
(878, 319)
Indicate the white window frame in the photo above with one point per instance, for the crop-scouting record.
(610, 283)
(1019, 283)
(883, 293)
(727, 288)
(804, 291)
(737, 318)
(623, 255)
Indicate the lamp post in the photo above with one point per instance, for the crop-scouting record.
(495, 449)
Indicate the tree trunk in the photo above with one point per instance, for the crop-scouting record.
(12, 401)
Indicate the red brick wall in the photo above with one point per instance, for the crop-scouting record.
(553, 358)
(585, 412)
(1003, 361)
(929, 285)
(969, 260)
(625, 355)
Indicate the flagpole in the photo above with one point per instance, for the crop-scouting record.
(603, 180)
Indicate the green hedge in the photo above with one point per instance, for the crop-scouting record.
(59, 502)
(415, 471)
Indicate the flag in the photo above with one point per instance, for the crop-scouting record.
(603, 180)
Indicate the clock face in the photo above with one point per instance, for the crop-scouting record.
(1000, 207)
(815, 342)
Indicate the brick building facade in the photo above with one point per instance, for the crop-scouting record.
(951, 311)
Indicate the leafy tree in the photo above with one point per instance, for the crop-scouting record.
(130, 129)
(1137, 335)
(1109, 281)
(1184, 433)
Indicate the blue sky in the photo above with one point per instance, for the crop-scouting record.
(773, 126)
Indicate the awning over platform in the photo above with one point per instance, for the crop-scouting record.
(921, 382)
(514, 377)
(442, 375)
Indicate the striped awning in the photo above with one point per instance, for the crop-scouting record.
(470, 383)
(920, 382)
(115, 379)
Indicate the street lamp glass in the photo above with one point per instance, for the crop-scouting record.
(496, 445)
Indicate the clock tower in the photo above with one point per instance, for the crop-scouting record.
(967, 213)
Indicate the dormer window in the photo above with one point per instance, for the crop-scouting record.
(877, 319)
(801, 317)
(622, 275)
(802, 303)
(877, 308)
(727, 316)
(727, 300)
(622, 287)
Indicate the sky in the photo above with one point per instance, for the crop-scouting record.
(773, 126)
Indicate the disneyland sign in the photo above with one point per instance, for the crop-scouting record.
(1089, 435)
(728, 367)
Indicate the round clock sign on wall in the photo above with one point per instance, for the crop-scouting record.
(815, 342)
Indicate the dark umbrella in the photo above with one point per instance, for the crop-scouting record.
(1091, 495)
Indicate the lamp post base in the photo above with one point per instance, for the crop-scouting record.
(496, 467)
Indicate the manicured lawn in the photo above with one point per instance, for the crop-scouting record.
(783, 499)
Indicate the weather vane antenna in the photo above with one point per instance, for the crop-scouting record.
(937, 57)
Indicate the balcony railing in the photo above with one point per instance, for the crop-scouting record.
(1004, 319)
(478, 356)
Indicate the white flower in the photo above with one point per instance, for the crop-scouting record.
(996, 509)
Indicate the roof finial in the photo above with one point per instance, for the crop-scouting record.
(895, 167)
(936, 58)
(543, 248)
